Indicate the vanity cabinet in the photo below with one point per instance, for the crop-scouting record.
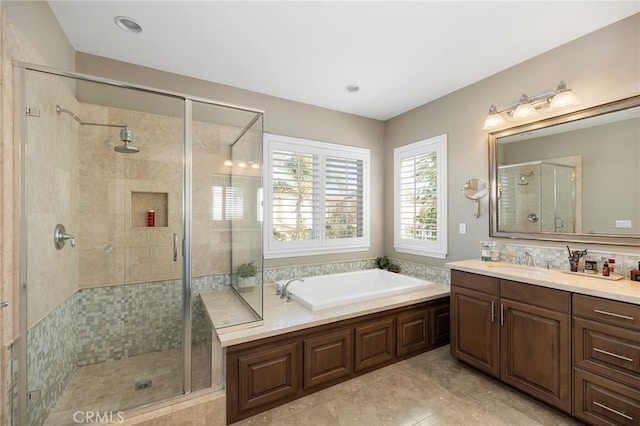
(517, 332)
(606, 361)
(268, 372)
(535, 341)
(475, 333)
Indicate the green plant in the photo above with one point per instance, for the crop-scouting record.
(247, 270)
(393, 267)
(382, 262)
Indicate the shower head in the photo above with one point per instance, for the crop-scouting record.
(127, 149)
(126, 136)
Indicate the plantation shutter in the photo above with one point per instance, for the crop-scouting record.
(344, 198)
(295, 189)
(419, 197)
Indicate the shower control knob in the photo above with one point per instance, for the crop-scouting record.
(4, 304)
(60, 236)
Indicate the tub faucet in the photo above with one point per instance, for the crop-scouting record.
(529, 259)
(285, 292)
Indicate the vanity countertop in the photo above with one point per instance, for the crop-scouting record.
(621, 290)
(282, 317)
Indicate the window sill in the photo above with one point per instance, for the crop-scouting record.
(419, 252)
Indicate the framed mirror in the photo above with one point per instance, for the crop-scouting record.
(574, 177)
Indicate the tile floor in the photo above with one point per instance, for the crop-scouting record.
(109, 387)
(429, 389)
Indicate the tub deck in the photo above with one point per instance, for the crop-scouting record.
(282, 317)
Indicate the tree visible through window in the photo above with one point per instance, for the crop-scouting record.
(317, 200)
(420, 171)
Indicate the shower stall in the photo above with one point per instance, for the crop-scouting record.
(135, 204)
(537, 196)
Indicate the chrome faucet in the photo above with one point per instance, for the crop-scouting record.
(529, 259)
(285, 292)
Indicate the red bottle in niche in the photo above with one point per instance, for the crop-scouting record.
(151, 218)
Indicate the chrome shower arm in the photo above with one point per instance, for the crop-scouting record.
(59, 110)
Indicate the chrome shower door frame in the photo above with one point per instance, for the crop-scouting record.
(20, 69)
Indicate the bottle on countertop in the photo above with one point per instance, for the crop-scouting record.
(605, 269)
(486, 251)
(612, 266)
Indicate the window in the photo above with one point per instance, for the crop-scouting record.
(420, 188)
(317, 197)
(227, 203)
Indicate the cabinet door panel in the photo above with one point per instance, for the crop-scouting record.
(475, 334)
(536, 355)
(327, 358)
(440, 323)
(268, 376)
(375, 344)
(412, 332)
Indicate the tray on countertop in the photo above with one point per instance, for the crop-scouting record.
(602, 277)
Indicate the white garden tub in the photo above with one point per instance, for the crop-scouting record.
(328, 291)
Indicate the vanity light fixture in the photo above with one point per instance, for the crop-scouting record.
(228, 162)
(254, 165)
(242, 164)
(527, 107)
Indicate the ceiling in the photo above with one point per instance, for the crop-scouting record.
(400, 54)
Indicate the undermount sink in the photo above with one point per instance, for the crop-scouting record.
(518, 269)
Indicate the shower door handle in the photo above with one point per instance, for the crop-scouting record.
(175, 247)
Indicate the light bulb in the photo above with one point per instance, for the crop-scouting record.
(493, 119)
(564, 97)
(242, 164)
(524, 110)
(228, 163)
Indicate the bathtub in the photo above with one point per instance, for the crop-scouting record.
(328, 291)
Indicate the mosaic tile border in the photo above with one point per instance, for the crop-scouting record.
(290, 272)
(558, 256)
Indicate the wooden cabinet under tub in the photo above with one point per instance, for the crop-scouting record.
(265, 373)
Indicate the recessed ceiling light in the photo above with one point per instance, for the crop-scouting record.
(352, 88)
(128, 24)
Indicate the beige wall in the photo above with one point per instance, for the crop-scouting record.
(282, 117)
(600, 67)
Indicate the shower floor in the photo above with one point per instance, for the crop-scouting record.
(110, 387)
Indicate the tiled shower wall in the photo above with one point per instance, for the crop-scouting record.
(108, 323)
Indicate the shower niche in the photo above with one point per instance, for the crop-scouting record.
(142, 203)
(119, 318)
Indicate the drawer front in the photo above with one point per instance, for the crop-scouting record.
(608, 350)
(476, 282)
(600, 401)
(609, 311)
(549, 298)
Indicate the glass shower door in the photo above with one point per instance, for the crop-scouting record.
(104, 295)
